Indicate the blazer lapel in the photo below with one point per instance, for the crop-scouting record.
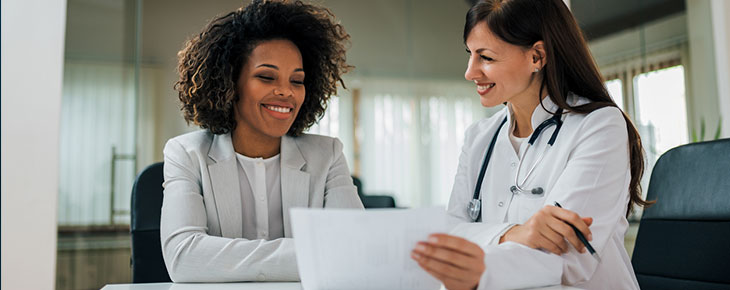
(294, 181)
(226, 186)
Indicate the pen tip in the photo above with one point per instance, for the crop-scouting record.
(595, 255)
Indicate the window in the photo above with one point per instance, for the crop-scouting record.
(615, 90)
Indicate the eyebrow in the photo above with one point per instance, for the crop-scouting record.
(483, 49)
(276, 67)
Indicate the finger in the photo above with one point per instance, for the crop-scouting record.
(444, 279)
(457, 244)
(440, 268)
(447, 255)
(555, 237)
(566, 232)
(572, 218)
(546, 244)
(587, 220)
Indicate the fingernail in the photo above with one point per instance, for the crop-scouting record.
(420, 248)
(415, 255)
(590, 237)
(433, 239)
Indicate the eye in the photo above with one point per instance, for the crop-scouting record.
(297, 82)
(265, 77)
(486, 58)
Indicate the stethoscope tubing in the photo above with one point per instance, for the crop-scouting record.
(474, 208)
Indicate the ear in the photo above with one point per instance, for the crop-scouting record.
(537, 52)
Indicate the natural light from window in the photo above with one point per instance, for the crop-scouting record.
(615, 90)
(661, 108)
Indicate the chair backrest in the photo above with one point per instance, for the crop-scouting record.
(683, 239)
(372, 201)
(147, 263)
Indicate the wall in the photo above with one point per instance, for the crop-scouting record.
(702, 91)
(397, 39)
(721, 30)
(32, 66)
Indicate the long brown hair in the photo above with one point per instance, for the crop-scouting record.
(569, 67)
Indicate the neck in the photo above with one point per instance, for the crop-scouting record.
(522, 113)
(255, 145)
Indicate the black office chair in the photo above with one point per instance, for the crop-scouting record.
(684, 239)
(147, 263)
(373, 201)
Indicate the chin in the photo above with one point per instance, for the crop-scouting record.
(489, 103)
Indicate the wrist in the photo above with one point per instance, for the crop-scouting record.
(505, 236)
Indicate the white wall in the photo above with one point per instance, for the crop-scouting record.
(721, 33)
(397, 39)
(702, 91)
(32, 66)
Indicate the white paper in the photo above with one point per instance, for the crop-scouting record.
(356, 249)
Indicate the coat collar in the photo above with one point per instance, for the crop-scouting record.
(539, 115)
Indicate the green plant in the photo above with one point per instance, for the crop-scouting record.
(701, 137)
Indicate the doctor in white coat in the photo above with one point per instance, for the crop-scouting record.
(560, 138)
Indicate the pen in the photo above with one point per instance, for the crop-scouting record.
(583, 239)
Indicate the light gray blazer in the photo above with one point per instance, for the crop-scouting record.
(201, 225)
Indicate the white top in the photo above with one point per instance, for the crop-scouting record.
(516, 141)
(261, 197)
(586, 170)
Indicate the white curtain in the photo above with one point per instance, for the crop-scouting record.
(97, 113)
(410, 135)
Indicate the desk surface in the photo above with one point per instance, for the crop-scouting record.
(239, 286)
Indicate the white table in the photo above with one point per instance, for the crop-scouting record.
(239, 286)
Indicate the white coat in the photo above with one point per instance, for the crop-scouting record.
(586, 170)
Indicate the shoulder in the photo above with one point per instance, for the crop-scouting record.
(193, 141)
(315, 143)
(486, 125)
(606, 116)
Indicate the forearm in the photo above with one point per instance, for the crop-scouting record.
(515, 266)
(198, 257)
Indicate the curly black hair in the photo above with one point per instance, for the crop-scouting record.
(210, 63)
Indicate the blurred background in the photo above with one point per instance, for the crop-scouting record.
(401, 118)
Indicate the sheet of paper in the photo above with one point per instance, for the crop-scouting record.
(356, 249)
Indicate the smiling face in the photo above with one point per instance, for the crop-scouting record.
(502, 72)
(270, 90)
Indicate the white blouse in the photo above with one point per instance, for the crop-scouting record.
(586, 170)
(261, 197)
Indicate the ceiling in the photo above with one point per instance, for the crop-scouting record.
(599, 18)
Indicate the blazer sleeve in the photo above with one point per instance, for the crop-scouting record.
(190, 254)
(339, 191)
(593, 183)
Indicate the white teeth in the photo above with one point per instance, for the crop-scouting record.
(482, 88)
(278, 109)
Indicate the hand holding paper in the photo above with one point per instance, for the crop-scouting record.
(356, 249)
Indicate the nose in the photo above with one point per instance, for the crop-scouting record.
(284, 90)
(472, 70)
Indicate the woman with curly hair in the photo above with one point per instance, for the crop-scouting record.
(253, 80)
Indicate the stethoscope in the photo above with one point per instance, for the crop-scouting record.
(474, 209)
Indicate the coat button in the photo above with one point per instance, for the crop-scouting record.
(513, 164)
(261, 277)
(500, 204)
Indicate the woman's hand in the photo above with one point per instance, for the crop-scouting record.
(548, 229)
(454, 261)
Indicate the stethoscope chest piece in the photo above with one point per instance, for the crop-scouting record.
(474, 209)
(534, 191)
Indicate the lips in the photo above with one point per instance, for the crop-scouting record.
(484, 88)
(278, 110)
